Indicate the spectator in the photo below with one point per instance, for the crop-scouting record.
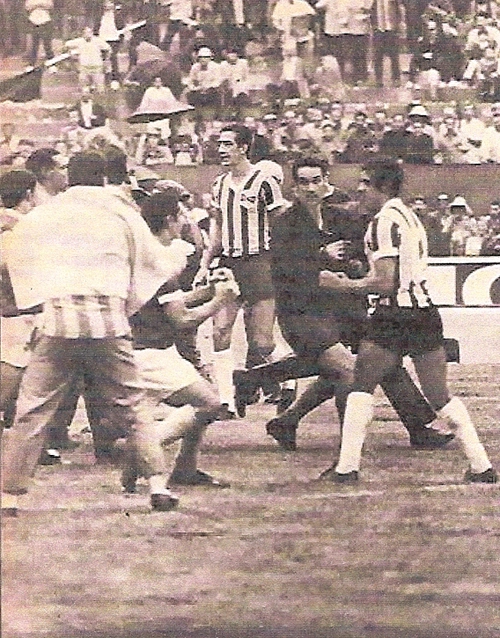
(450, 141)
(90, 114)
(9, 143)
(394, 142)
(204, 81)
(40, 19)
(360, 143)
(463, 226)
(386, 19)
(50, 179)
(471, 127)
(332, 142)
(438, 222)
(292, 18)
(347, 29)
(234, 71)
(153, 150)
(420, 145)
(89, 50)
(109, 31)
(490, 145)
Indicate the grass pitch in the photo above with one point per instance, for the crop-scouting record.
(411, 552)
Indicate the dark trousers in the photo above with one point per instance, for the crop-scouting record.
(43, 34)
(386, 44)
(349, 49)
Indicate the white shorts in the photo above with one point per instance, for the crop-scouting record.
(16, 335)
(165, 371)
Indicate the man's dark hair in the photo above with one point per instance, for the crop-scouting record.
(41, 162)
(386, 175)
(243, 136)
(159, 207)
(309, 161)
(86, 169)
(116, 165)
(15, 186)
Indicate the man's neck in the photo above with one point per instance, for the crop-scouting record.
(241, 169)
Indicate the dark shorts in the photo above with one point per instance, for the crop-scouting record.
(253, 274)
(310, 335)
(407, 331)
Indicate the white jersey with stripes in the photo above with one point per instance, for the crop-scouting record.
(244, 206)
(396, 231)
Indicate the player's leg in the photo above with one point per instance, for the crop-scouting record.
(202, 396)
(431, 368)
(373, 363)
(414, 411)
(223, 364)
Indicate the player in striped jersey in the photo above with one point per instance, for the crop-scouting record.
(243, 200)
(403, 322)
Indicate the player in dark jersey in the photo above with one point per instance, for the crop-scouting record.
(243, 201)
(320, 230)
(186, 400)
(404, 322)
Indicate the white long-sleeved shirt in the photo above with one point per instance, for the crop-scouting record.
(89, 51)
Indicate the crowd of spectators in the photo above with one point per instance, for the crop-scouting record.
(206, 54)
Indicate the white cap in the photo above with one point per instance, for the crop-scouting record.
(459, 201)
(418, 111)
(204, 52)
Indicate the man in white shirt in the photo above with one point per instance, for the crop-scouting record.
(490, 146)
(109, 32)
(234, 71)
(204, 80)
(89, 50)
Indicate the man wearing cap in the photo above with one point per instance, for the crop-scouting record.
(490, 145)
(204, 80)
(420, 145)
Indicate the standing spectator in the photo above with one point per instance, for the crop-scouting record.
(40, 19)
(83, 270)
(450, 141)
(181, 13)
(292, 18)
(347, 29)
(463, 225)
(89, 50)
(437, 222)
(490, 146)
(386, 19)
(111, 23)
(360, 143)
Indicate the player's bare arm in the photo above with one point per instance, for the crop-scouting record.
(381, 279)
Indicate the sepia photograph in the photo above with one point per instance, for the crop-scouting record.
(250, 318)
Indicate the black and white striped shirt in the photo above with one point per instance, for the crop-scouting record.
(244, 206)
(397, 232)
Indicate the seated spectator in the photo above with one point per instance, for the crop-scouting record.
(204, 81)
(394, 142)
(153, 150)
(490, 145)
(449, 141)
(332, 142)
(361, 143)
(9, 143)
(89, 50)
(292, 82)
(438, 221)
(312, 125)
(471, 127)
(328, 78)
(234, 72)
(420, 145)
(90, 114)
(463, 226)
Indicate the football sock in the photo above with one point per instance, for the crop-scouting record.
(223, 373)
(358, 414)
(158, 484)
(456, 412)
